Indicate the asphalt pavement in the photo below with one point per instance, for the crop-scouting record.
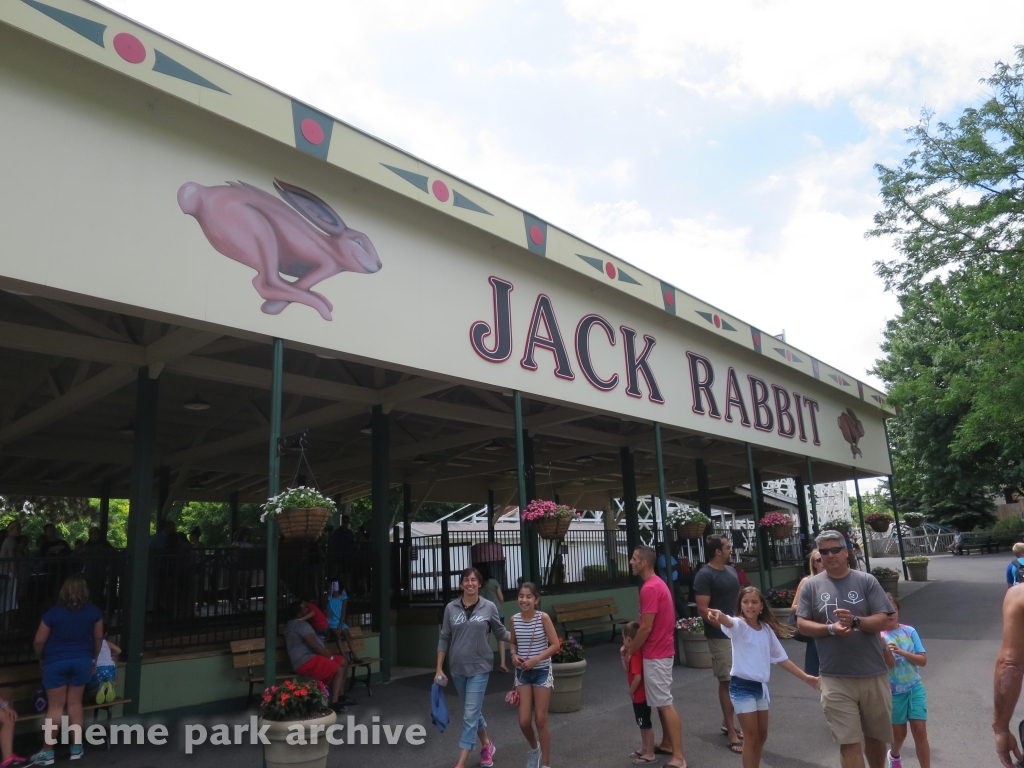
(957, 615)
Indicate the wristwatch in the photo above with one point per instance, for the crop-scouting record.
(856, 622)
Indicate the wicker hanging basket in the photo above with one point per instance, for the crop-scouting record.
(303, 524)
(879, 526)
(690, 530)
(781, 532)
(552, 527)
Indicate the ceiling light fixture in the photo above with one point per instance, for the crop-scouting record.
(368, 429)
(420, 460)
(127, 429)
(494, 445)
(196, 404)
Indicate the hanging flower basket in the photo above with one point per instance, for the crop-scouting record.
(690, 530)
(780, 526)
(913, 520)
(550, 520)
(301, 513)
(879, 522)
(688, 522)
(836, 524)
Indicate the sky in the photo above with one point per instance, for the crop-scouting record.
(727, 148)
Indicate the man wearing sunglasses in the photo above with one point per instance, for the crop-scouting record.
(844, 610)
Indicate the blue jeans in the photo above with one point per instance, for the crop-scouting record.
(472, 690)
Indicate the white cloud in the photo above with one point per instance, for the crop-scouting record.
(800, 49)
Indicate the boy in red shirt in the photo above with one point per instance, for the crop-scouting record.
(641, 709)
(316, 618)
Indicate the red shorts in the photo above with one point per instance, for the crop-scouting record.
(319, 668)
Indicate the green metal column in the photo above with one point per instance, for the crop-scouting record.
(528, 556)
(273, 488)
(380, 491)
(233, 520)
(140, 516)
(895, 511)
(666, 544)
(490, 516)
(814, 498)
(629, 507)
(863, 530)
(104, 508)
(757, 515)
(764, 538)
(801, 513)
(703, 488)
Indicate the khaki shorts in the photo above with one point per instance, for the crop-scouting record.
(721, 657)
(658, 681)
(856, 707)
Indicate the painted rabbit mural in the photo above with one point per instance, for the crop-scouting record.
(852, 429)
(304, 239)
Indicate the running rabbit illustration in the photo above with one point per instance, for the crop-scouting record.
(304, 239)
(852, 429)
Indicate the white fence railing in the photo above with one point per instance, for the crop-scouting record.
(927, 544)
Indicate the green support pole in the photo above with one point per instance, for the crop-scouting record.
(757, 516)
(666, 544)
(140, 516)
(863, 530)
(104, 508)
(273, 488)
(233, 520)
(629, 508)
(764, 537)
(524, 528)
(490, 516)
(895, 511)
(380, 490)
(703, 488)
(801, 513)
(814, 498)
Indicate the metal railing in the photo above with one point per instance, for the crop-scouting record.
(927, 544)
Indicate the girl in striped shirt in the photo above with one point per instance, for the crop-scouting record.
(533, 642)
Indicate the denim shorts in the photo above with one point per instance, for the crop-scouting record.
(57, 674)
(747, 696)
(538, 677)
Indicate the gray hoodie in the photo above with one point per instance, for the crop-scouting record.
(465, 641)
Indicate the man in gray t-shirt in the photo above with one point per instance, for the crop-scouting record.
(310, 658)
(844, 611)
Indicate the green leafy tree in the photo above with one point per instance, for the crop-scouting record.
(955, 210)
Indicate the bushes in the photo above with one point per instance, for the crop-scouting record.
(592, 573)
(1009, 525)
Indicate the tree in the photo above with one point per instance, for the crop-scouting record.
(955, 208)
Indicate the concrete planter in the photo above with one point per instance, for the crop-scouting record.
(696, 650)
(279, 754)
(782, 614)
(890, 585)
(568, 690)
(918, 571)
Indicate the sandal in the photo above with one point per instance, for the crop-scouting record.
(640, 760)
(662, 751)
(736, 747)
(725, 732)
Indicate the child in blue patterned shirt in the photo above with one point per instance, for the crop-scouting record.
(904, 654)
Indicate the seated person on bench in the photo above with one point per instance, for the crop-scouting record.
(957, 547)
(310, 658)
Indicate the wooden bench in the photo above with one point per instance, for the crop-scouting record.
(17, 684)
(250, 655)
(589, 615)
(985, 542)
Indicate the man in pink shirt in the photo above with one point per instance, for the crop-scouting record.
(655, 641)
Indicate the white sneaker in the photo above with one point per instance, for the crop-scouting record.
(893, 762)
(533, 758)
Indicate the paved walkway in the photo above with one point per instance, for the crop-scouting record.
(957, 614)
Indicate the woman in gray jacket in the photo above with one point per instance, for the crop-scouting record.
(467, 621)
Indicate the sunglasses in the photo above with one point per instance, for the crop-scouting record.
(832, 550)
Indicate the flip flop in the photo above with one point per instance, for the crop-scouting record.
(736, 747)
(662, 751)
(644, 760)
